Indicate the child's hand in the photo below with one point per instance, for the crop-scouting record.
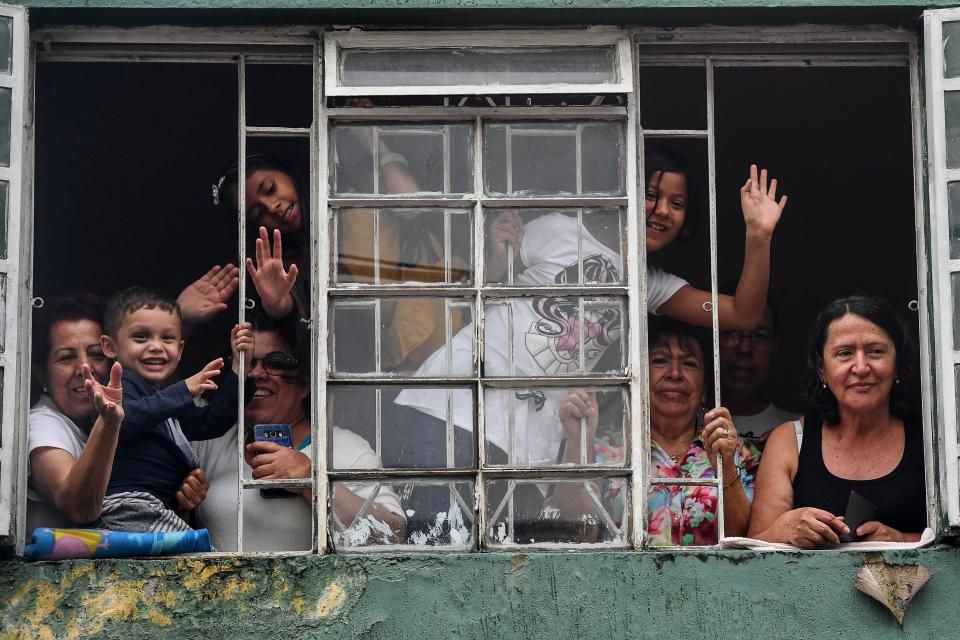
(200, 382)
(107, 400)
(206, 297)
(272, 280)
(506, 231)
(761, 211)
(241, 341)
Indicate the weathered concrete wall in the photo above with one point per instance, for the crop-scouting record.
(739, 595)
(473, 4)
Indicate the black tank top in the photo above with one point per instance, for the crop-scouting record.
(899, 495)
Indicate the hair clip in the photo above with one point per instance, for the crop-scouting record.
(216, 190)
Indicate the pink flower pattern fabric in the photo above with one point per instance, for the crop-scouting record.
(684, 515)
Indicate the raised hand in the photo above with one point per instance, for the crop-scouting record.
(206, 297)
(106, 400)
(273, 282)
(203, 381)
(761, 210)
(242, 343)
(506, 231)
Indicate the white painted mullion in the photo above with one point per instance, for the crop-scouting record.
(320, 283)
(923, 300)
(636, 264)
(242, 289)
(714, 306)
(479, 261)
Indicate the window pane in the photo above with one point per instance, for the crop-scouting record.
(399, 159)
(955, 285)
(540, 427)
(293, 81)
(3, 312)
(557, 158)
(5, 131)
(580, 510)
(4, 204)
(953, 199)
(558, 246)
(686, 107)
(424, 337)
(389, 246)
(951, 49)
(952, 122)
(401, 427)
(439, 67)
(6, 44)
(418, 513)
(543, 336)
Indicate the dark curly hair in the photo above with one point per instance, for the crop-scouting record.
(63, 308)
(904, 396)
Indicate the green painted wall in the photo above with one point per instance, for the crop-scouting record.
(734, 595)
(473, 4)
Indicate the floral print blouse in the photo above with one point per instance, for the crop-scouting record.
(686, 515)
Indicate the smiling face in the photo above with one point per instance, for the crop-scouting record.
(277, 399)
(859, 364)
(272, 201)
(745, 362)
(666, 208)
(676, 379)
(62, 376)
(149, 343)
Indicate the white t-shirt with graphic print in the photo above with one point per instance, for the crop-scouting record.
(533, 336)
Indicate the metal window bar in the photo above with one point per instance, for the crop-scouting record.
(710, 135)
(242, 289)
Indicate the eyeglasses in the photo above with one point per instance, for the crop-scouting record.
(277, 363)
(758, 339)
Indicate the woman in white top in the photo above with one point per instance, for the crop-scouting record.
(281, 521)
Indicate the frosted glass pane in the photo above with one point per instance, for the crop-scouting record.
(405, 426)
(5, 129)
(439, 67)
(570, 511)
(6, 44)
(543, 427)
(4, 206)
(389, 246)
(403, 335)
(560, 158)
(557, 336)
(417, 513)
(951, 49)
(955, 285)
(952, 117)
(398, 159)
(563, 246)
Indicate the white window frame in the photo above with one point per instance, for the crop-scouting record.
(176, 44)
(942, 307)
(491, 39)
(16, 269)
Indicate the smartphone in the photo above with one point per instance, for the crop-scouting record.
(281, 435)
(859, 510)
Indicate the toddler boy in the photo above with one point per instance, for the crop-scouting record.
(143, 333)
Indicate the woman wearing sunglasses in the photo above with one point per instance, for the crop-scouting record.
(277, 520)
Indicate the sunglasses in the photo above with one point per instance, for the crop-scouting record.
(277, 363)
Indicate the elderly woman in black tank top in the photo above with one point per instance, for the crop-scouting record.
(863, 434)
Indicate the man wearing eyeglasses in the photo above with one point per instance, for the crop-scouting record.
(745, 359)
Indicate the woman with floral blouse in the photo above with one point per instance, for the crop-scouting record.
(683, 446)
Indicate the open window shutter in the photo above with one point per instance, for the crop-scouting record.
(15, 226)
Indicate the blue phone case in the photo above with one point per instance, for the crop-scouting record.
(278, 433)
(281, 435)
